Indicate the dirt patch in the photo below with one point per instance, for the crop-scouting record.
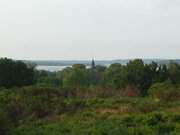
(118, 110)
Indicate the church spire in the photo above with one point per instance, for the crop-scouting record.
(93, 64)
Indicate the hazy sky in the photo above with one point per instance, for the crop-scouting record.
(85, 29)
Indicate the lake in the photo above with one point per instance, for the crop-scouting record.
(51, 68)
(58, 68)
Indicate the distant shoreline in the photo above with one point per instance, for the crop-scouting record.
(98, 62)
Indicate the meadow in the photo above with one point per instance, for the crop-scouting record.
(132, 99)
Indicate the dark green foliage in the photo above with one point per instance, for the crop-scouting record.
(45, 78)
(162, 73)
(165, 91)
(96, 75)
(15, 73)
(139, 75)
(133, 79)
(116, 76)
(135, 72)
(104, 125)
(76, 77)
(174, 72)
(5, 122)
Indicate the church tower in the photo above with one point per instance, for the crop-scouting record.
(93, 64)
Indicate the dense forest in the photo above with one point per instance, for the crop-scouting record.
(131, 99)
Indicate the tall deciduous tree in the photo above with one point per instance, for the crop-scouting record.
(15, 73)
(174, 72)
(76, 77)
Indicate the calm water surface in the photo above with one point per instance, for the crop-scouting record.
(51, 68)
(56, 68)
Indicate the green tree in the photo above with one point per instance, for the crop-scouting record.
(139, 75)
(76, 77)
(46, 78)
(15, 73)
(115, 76)
(162, 73)
(174, 72)
(135, 71)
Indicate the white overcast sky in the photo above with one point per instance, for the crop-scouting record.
(85, 29)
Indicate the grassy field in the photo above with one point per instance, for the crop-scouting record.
(106, 116)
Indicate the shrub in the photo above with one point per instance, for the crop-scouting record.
(164, 92)
(165, 128)
(5, 122)
(131, 91)
(154, 119)
(147, 105)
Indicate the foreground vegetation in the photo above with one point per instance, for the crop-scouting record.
(50, 111)
(151, 124)
(134, 99)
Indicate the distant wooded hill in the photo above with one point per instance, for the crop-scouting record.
(98, 62)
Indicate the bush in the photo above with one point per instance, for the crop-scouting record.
(165, 128)
(5, 122)
(148, 105)
(131, 91)
(165, 92)
(155, 119)
(151, 124)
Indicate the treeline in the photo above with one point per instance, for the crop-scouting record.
(134, 78)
